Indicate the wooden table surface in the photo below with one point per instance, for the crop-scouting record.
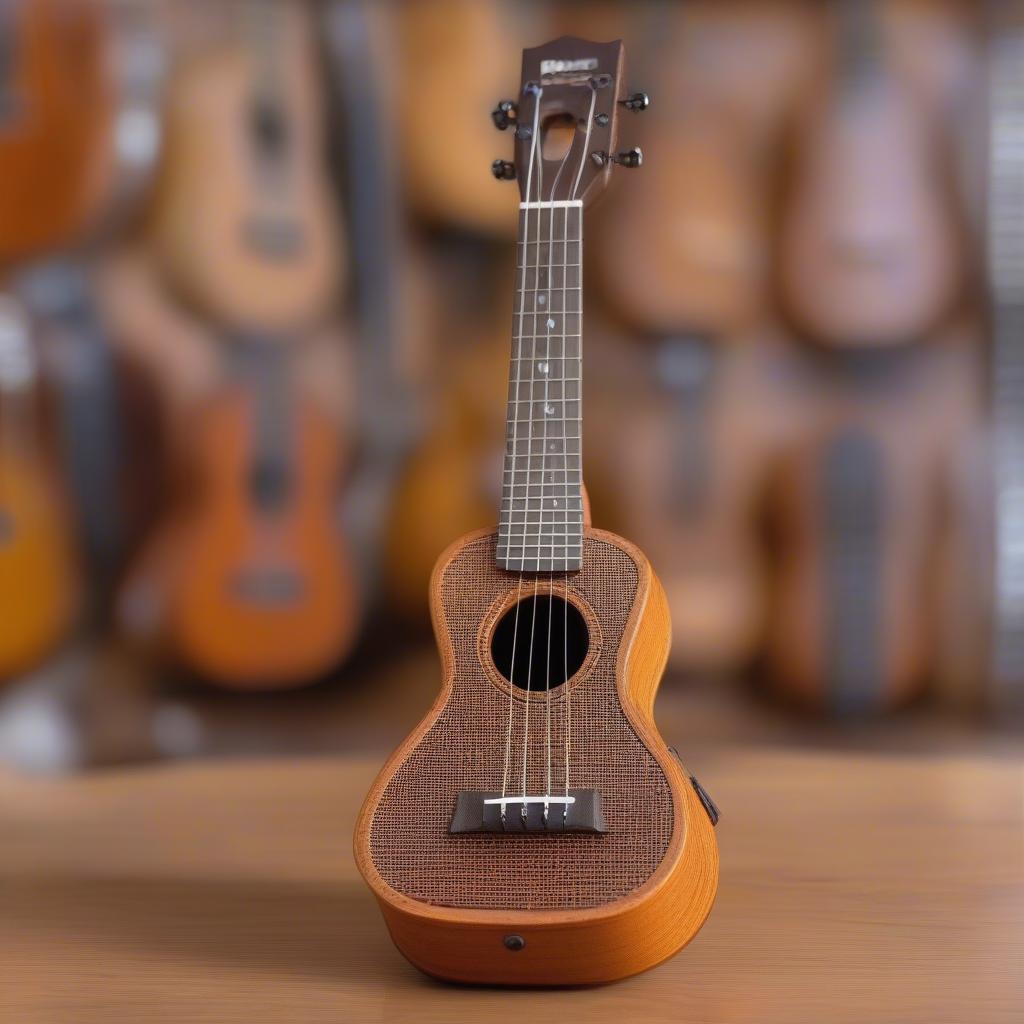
(855, 888)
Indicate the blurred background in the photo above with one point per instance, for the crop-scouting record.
(254, 339)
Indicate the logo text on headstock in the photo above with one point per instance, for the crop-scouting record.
(562, 67)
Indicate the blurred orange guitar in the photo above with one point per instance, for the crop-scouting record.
(245, 227)
(55, 104)
(259, 593)
(37, 578)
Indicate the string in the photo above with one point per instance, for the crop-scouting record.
(549, 324)
(565, 458)
(529, 447)
(517, 356)
(536, 159)
(544, 469)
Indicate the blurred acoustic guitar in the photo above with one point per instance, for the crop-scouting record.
(252, 572)
(855, 510)
(464, 51)
(724, 76)
(38, 578)
(55, 108)
(870, 246)
(244, 224)
(463, 440)
(686, 475)
(983, 629)
(684, 269)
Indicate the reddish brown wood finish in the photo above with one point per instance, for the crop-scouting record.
(56, 111)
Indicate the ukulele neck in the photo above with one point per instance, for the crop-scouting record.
(541, 521)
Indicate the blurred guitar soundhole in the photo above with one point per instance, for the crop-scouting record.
(268, 587)
(281, 240)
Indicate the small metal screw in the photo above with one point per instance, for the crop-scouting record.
(514, 943)
(601, 120)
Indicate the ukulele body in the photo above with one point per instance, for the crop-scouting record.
(589, 908)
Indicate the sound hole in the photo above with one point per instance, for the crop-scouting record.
(560, 641)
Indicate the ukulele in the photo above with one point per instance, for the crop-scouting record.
(37, 578)
(870, 252)
(253, 571)
(244, 224)
(535, 829)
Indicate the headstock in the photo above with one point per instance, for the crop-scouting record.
(569, 98)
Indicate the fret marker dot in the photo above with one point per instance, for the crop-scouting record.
(542, 368)
(551, 447)
(551, 323)
(549, 410)
(541, 299)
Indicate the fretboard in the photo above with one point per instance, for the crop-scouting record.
(541, 523)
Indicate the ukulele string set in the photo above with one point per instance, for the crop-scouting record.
(536, 161)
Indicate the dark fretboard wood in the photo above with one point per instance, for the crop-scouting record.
(541, 523)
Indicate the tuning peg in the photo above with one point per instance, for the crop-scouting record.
(637, 102)
(504, 114)
(504, 170)
(629, 157)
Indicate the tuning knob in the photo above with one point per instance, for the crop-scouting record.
(629, 157)
(504, 114)
(636, 102)
(504, 170)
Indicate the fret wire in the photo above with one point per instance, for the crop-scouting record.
(515, 543)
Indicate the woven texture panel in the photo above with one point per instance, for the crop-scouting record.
(465, 749)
